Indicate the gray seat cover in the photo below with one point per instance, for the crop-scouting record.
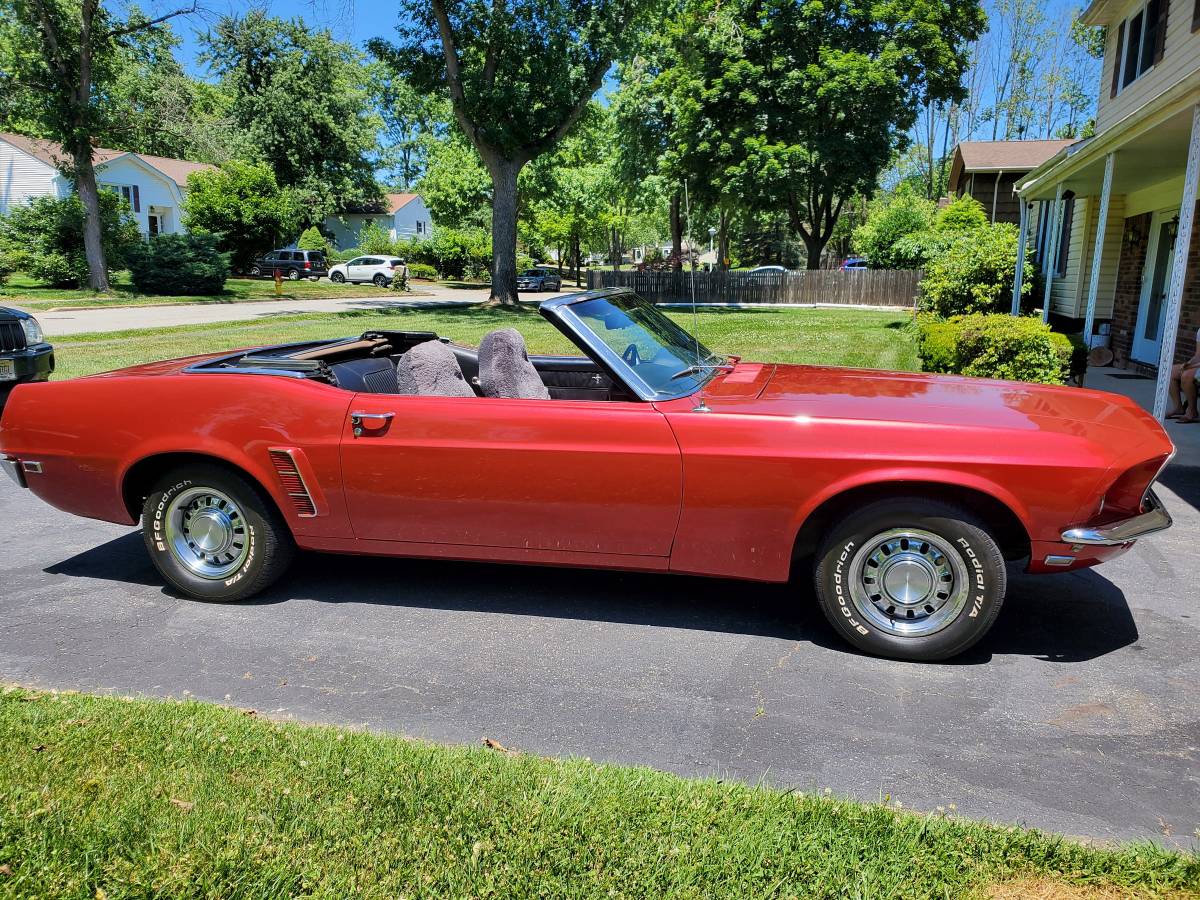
(505, 370)
(430, 370)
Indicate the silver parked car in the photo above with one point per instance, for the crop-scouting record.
(539, 280)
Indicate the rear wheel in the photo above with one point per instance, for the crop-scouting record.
(255, 271)
(911, 579)
(380, 280)
(213, 535)
(293, 274)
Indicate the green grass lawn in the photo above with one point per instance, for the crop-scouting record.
(112, 798)
(821, 336)
(23, 291)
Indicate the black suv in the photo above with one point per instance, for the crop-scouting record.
(292, 264)
(24, 353)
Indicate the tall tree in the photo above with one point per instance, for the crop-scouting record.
(303, 100)
(66, 53)
(519, 74)
(414, 120)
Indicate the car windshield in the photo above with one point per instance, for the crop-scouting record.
(662, 354)
(530, 273)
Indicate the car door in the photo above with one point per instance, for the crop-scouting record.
(545, 475)
(354, 269)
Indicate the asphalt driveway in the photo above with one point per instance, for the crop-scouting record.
(1079, 713)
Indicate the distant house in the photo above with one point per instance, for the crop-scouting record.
(400, 216)
(154, 185)
(990, 170)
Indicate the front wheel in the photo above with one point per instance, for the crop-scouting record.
(337, 278)
(255, 271)
(213, 535)
(911, 579)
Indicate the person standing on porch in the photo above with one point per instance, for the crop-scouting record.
(1183, 387)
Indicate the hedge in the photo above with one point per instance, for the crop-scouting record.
(179, 265)
(999, 346)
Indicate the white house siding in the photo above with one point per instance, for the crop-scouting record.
(157, 194)
(412, 220)
(1069, 294)
(23, 177)
(1181, 55)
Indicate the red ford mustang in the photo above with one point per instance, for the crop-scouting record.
(902, 494)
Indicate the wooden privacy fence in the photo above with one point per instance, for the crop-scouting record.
(863, 287)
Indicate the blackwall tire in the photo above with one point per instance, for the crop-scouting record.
(337, 278)
(380, 280)
(214, 535)
(293, 274)
(911, 579)
(255, 271)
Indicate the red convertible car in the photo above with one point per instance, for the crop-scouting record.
(902, 494)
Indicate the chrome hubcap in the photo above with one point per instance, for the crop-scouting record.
(908, 582)
(207, 533)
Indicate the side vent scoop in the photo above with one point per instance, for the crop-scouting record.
(293, 483)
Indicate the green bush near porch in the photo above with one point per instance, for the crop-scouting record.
(179, 265)
(998, 346)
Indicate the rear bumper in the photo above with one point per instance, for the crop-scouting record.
(1154, 519)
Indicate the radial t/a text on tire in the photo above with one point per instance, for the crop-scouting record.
(910, 578)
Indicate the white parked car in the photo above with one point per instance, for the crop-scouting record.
(380, 270)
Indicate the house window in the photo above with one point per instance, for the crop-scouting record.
(420, 227)
(1064, 235)
(128, 192)
(1141, 40)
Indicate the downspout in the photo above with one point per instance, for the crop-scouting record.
(996, 194)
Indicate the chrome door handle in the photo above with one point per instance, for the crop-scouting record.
(357, 419)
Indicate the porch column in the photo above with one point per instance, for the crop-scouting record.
(1022, 242)
(1089, 322)
(1051, 245)
(1183, 243)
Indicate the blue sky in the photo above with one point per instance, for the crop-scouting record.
(353, 21)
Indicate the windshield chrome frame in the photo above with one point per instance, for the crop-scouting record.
(559, 311)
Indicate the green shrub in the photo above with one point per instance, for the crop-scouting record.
(7, 265)
(974, 274)
(962, 214)
(179, 265)
(345, 255)
(422, 270)
(373, 239)
(45, 237)
(244, 205)
(312, 239)
(998, 346)
(888, 221)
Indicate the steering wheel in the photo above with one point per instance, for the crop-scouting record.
(631, 355)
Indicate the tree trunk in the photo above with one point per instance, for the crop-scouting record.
(614, 249)
(815, 247)
(89, 196)
(504, 231)
(576, 262)
(723, 241)
(676, 233)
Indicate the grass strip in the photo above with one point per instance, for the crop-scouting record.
(137, 798)
(864, 338)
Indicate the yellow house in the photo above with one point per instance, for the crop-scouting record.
(1116, 207)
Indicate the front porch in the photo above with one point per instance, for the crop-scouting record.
(1111, 211)
(1140, 388)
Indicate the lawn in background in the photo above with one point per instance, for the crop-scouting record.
(855, 337)
(105, 797)
(21, 290)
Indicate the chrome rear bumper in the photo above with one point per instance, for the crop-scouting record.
(1156, 518)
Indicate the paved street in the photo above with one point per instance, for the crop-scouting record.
(1079, 713)
(120, 318)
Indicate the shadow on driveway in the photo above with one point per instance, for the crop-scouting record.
(1071, 617)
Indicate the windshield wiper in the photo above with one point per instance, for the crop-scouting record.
(696, 370)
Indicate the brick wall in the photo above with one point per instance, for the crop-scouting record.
(1134, 242)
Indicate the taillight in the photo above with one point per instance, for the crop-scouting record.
(1127, 492)
(307, 264)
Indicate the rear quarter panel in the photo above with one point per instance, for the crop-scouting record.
(89, 432)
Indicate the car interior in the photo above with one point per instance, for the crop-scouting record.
(419, 363)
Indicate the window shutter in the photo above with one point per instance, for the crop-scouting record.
(1160, 33)
(137, 200)
(1116, 72)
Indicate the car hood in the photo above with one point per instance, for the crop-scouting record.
(922, 398)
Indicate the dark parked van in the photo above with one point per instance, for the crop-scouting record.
(293, 264)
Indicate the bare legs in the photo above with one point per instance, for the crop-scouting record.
(1188, 389)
